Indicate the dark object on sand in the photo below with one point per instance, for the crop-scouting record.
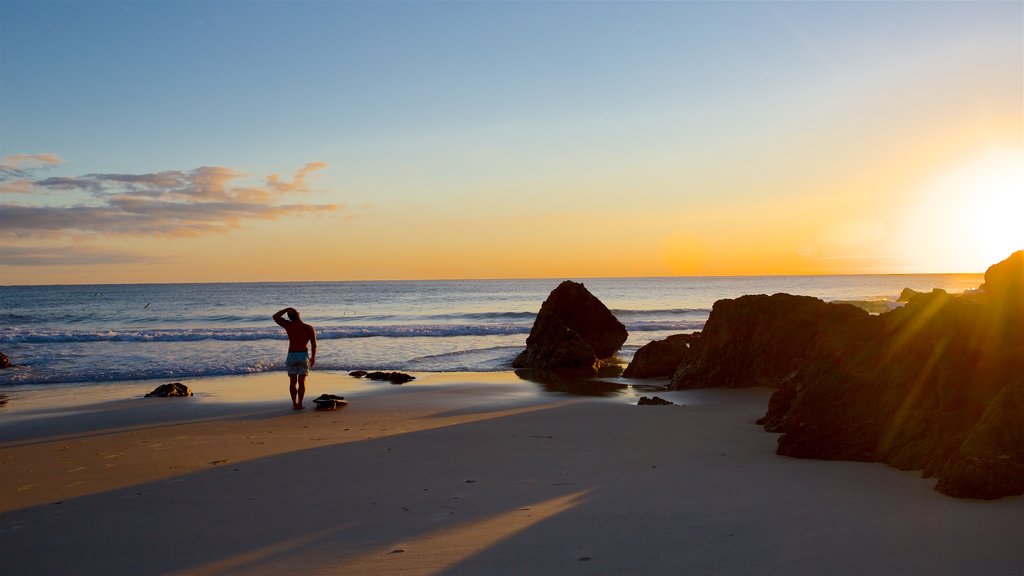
(330, 402)
(172, 390)
(4, 361)
(573, 331)
(656, 401)
(660, 358)
(393, 377)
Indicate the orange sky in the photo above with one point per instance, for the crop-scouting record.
(764, 138)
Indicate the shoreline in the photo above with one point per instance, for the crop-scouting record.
(462, 473)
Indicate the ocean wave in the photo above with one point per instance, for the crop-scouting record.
(18, 377)
(663, 312)
(44, 336)
(665, 325)
(28, 336)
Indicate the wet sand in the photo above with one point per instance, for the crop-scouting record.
(459, 474)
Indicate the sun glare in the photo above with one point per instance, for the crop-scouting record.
(971, 217)
(998, 214)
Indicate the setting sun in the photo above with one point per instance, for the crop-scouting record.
(969, 217)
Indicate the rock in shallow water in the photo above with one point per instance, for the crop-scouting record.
(393, 377)
(660, 358)
(172, 390)
(573, 331)
(655, 401)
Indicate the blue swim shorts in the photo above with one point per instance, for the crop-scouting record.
(297, 363)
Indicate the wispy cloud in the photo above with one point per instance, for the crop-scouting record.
(172, 202)
(16, 170)
(66, 256)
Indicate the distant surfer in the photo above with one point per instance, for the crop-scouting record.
(299, 360)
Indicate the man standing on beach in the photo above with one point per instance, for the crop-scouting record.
(299, 361)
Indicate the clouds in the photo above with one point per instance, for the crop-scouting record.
(173, 202)
(16, 170)
(63, 256)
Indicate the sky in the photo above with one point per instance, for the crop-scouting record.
(301, 141)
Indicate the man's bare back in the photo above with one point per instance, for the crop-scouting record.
(300, 334)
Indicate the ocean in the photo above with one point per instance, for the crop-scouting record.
(110, 333)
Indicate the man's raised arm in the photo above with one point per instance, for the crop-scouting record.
(278, 317)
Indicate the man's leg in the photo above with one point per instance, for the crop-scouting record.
(292, 389)
(302, 388)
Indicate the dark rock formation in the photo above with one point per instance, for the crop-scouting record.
(573, 331)
(4, 361)
(392, 377)
(934, 386)
(172, 390)
(761, 340)
(1004, 282)
(656, 401)
(329, 402)
(907, 294)
(660, 358)
(910, 393)
(990, 462)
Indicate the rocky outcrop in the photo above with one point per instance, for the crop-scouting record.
(392, 377)
(573, 331)
(990, 462)
(4, 361)
(1004, 282)
(172, 390)
(762, 340)
(907, 294)
(933, 386)
(655, 401)
(660, 358)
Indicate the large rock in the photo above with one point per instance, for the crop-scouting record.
(932, 386)
(762, 340)
(660, 358)
(1004, 281)
(910, 388)
(573, 331)
(1003, 290)
(172, 390)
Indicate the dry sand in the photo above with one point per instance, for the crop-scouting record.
(459, 474)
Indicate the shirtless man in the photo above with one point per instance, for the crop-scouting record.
(298, 361)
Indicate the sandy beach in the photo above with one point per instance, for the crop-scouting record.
(459, 474)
